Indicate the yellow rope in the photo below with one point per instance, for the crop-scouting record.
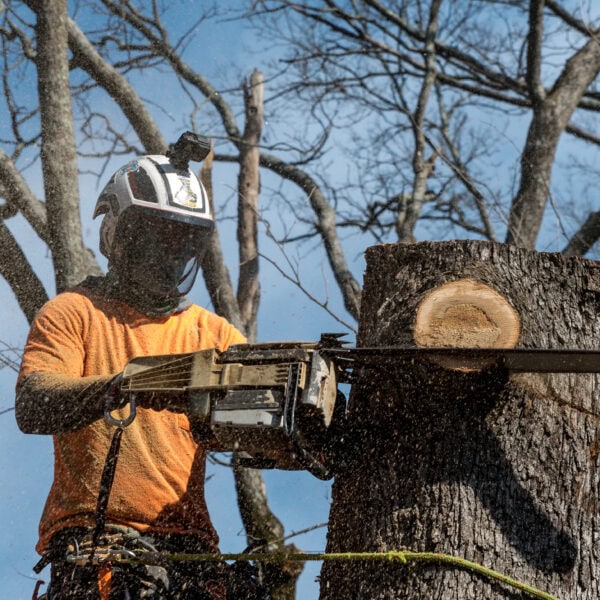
(402, 556)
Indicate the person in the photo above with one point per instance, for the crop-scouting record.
(156, 226)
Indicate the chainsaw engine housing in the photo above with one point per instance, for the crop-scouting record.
(271, 403)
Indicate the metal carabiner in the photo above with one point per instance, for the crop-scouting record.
(122, 422)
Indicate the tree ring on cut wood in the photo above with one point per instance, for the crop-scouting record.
(465, 314)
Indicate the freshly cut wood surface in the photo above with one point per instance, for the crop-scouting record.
(466, 314)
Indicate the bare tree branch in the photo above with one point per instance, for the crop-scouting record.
(161, 47)
(17, 270)
(87, 58)
(19, 195)
(568, 18)
(295, 279)
(583, 135)
(248, 292)
(216, 275)
(252, 496)
(585, 238)
(462, 173)
(326, 224)
(534, 52)
(422, 168)
(550, 118)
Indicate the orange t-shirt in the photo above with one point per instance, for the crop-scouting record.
(159, 480)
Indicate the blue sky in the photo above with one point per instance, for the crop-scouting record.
(297, 498)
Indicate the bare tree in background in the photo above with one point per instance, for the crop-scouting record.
(407, 479)
(372, 66)
(397, 86)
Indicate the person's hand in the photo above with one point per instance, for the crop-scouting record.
(116, 397)
(113, 398)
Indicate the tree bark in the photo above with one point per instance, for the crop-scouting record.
(248, 293)
(422, 168)
(16, 269)
(585, 238)
(551, 114)
(215, 271)
(497, 468)
(72, 260)
(19, 196)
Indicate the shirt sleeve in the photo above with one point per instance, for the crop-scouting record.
(55, 340)
(230, 336)
(224, 334)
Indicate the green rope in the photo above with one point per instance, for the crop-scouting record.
(402, 556)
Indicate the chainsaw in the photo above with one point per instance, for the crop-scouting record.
(276, 404)
(272, 404)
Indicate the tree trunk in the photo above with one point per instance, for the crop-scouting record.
(497, 468)
(551, 114)
(248, 293)
(72, 260)
(263, 528)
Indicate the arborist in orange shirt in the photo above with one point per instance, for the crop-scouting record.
(155, 229)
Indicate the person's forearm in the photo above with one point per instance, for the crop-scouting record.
(51, 404)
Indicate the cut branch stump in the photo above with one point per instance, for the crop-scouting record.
(501, 469)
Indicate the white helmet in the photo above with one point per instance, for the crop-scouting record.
(154, 185)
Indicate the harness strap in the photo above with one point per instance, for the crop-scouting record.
(106, 482)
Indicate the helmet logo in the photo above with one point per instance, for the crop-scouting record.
(131, 167)
(184, 195)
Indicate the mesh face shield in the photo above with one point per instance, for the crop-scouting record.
(157, 255)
